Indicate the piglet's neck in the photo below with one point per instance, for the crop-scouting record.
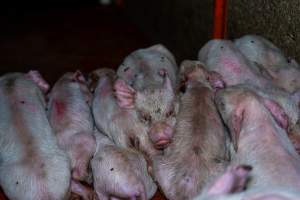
(259, 127)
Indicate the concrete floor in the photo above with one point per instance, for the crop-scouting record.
(57, 40)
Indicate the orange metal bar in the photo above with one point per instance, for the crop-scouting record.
(220, 19)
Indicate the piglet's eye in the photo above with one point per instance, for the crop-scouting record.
(170, 113)
(145, 118)
(221, 105)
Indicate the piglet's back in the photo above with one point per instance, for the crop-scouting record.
(32, 166)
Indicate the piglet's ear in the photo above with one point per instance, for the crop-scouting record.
(235, 124)
(93, 81)
(168, 85)
(125, 94)
(36, 77)
(277, 112)
(78, 76)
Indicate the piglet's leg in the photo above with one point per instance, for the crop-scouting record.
(83, 191)
(125, 94)
(82, 149)
(233, 180)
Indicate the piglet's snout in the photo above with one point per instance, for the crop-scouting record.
(161, 134)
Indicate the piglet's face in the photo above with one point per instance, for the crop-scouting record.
(157, 109)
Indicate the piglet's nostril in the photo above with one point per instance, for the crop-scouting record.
(168, 131)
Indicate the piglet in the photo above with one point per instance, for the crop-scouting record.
(287, 78)
(259, 137)
(120, 173)
(32, 165)
(121, 125)
(261, 146)
(71, 118)
(147, 83)
(262, 51)
(199, 148)
(224, 58)
(284, 71)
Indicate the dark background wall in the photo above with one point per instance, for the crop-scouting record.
(185, 25)
(181, 25)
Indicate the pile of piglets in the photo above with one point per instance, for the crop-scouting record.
(225, 126)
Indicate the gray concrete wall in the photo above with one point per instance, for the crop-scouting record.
(277, 20)
(185, 25)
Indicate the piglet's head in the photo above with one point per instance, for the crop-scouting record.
(36, 77)
(76, 80)
(156, 108)
(95, 75)
(195, 71)
(78, 76)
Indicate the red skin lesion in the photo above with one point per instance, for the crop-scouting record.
(105, 91)
(231, 64)
(60, 108)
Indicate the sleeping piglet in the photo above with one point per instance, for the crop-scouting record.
(32, 166)
(264, 162)
(121, 125)
(120, 173)
(222, 57)
(259, 133)
(71, 118)
(284, 71)
(199, 148)
(147, 82)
